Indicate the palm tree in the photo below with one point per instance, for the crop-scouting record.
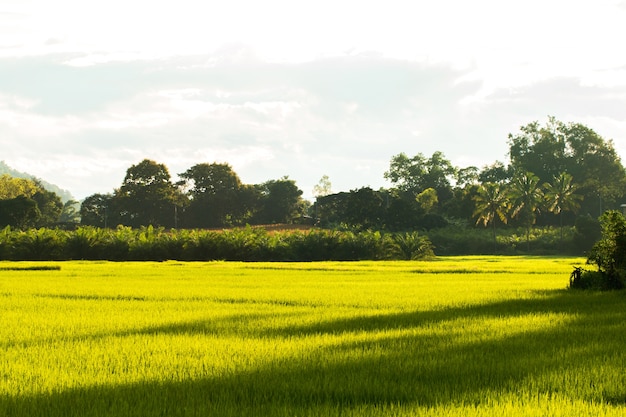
(561, 196)
(527, 198)
(491, 201)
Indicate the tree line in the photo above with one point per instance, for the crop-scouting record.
(209, 195)
(25, 204)
(558, 175)
(237, 244)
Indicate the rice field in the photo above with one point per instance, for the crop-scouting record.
(470, 336)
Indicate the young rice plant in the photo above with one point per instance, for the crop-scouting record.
(482, 336)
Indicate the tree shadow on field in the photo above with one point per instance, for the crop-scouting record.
(386, 370)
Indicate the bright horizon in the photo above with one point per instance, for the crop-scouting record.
(298, 89)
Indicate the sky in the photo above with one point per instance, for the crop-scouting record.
(297, 88)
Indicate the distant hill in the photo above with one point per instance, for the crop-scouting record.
(64, 194)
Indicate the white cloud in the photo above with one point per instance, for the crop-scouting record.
(286, 88)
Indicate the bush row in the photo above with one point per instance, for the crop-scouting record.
(455, 240)
(243, 244)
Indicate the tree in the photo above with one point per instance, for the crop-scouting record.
(527, 197)
(97, 210)
(427, 200)
(549, 150)
(492, 201)
(402, 211)
(280, 201)
(609, 253)
(496, 173)
(323, 187)
(364, 209)
(11, 187)
(148, 197)
(561, 196)
(330, 209)
(419, 173)
(20, 212)
(597, 168)
(215, 195)
(20, 194)
(49, 205)
(70, 212)
(539, 149)
(466, 176)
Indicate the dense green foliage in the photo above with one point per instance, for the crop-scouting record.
(264, 244)
(555, 172)
(559, 176)
(608, 254)
(480, 336)
(7, 170)
(208, 196)
(239, 244)
(25, 203)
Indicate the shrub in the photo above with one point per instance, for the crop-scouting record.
(38, 245)
(594, 280)
(411, 246)
(608, 254)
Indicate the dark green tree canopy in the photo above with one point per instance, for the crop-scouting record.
(556, 148)
(495, 173)
(49, 205)
(97, 210)
(147, 196)
(26, 203)
(419, 173)
(281, 201)
(210, 179)
(364, 209)
(20, 212)
(216, 196)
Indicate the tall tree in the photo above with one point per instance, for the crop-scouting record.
(323, 187)
(215, 193)
(148, 197)
(49, 204)
(11, 187)
(466, 176)
(418, 173)
(539, 149)
(527, 197)
(98, 210)
(364, 209)
(281, 201)
(20, 212)
(496, 173)
(557, 147)
(70, 212)
(492, 201)
(561, 196)
(34, 205)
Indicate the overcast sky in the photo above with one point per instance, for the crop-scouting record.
(297, 88)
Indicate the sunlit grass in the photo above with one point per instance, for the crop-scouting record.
(456, 336)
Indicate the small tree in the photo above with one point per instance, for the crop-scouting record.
(609, 253)
(323, 188)
(561, 196)
(491, 201)
(527, 198)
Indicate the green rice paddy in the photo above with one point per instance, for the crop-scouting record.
(479, 336)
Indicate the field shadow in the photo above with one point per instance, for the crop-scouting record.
(375, 372)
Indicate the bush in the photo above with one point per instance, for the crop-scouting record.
(410, 246)
(608, 254)
(39, 245)
(595, 280)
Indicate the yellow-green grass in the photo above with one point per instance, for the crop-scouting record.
(456, 336)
